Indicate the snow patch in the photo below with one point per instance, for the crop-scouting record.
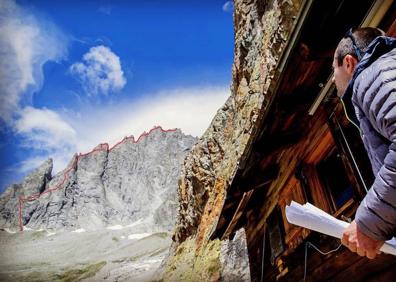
(147, 264)
(9, 231)
(25, 228)
(49, 233)
(138, 236)
(135, 223)
(79, 230)
(115, 227)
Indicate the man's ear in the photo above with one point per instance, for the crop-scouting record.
(350, 63)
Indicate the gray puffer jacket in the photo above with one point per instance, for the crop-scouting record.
(373, 90)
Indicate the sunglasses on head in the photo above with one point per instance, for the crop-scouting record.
(358, 52)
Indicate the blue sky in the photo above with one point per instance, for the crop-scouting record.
(78, 73)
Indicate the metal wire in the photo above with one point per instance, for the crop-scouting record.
(309, 244)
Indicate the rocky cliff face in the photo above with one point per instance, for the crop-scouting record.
(262, 33)
(33, 184)
(262, 29)
(133, 182)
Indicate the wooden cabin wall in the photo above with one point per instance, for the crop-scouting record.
(287, 160)
(316, 143)
(298, 180)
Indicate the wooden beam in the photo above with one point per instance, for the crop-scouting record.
(365, 267)
(278, 141)
(238, 213)
(259, 178)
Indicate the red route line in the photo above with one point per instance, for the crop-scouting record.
(100, 147)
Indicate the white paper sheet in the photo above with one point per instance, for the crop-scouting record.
(311, 217)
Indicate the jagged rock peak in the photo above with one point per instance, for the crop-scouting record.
(36, 181)
(133, 181)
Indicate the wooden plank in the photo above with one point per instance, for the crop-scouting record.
(292, 192)
(364, 268)
(387, 274)
(320, 267)
(238, 213)
(334, 264)
(317, 191)
(259, 178)
(321, 148)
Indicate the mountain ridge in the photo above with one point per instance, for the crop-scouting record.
(100, 147)
(95, 166)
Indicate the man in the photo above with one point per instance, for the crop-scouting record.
(365, 77)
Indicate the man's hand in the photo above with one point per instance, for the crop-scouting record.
(358, 242)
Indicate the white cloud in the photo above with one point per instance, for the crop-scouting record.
(26, 44)
(44, 128)
(61, 134)
(30, 164)
(190, 109)
(100, 72)
(48, 134)
(228, 6)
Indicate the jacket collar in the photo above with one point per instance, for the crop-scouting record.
(378, 47)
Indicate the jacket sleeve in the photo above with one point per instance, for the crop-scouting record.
(376, 215)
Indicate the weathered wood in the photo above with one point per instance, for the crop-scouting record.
(364, 268)
(279, 140)
(292, 192)
(335, 262)
(319, 195)
(392, 30)
(315, 146)
(261, 178)
(239, 211)
(343, 211)
(386, 274)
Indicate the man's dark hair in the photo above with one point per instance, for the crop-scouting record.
(362, 37)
